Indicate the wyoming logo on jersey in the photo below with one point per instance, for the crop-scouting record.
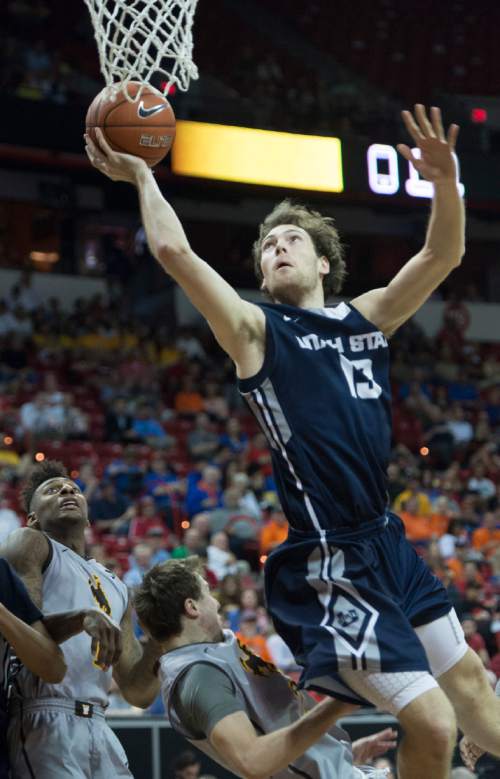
(256, 665)
(99, 594)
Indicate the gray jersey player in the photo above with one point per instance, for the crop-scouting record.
(58, 731)
(232, 705)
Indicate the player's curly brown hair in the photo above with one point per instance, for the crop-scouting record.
(159, 599)
(48, 469)
(323, 234)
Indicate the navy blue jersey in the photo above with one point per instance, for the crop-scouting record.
(14, 596)
(322, 399)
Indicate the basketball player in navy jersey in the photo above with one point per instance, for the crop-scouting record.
(58, 730)
(362, 613)
(22, 630)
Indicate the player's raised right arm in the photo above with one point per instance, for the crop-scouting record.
(239, 326)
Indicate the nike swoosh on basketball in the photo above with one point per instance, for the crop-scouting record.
(145, 112)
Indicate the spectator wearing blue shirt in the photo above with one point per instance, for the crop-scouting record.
(109, 510)
(234, 438)
(140, 563)
(160, 483)
(147, 429)
(206, 493)
(126, 473)
(156, 542)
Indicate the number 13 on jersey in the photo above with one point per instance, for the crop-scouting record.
(365, 389)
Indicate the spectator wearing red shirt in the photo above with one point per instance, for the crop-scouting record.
(475, 639)
(259, 454)
(145, 519)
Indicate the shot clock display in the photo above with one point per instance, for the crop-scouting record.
(383, 169)
(343, 167)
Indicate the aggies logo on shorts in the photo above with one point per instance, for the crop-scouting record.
(350, 619)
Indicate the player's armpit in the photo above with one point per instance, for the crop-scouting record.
(390, 307)
(28, 551)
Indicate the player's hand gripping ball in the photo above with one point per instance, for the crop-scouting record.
(144, 127)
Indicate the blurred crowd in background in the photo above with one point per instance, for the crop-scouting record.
(149, 423)
(146, 415)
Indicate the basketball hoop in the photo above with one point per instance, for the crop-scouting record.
(141, 39)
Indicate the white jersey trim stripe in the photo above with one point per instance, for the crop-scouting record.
(260, 399)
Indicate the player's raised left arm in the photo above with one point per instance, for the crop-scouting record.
(136, 671)
(444, 246)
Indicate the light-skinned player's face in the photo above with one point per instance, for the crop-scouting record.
(290, 266)
(209, 617)
(58, 501)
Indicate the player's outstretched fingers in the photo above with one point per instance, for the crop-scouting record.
(452, 135)
(423, 122)
(407, 153)
(103, 144)
(437, 123)
(93, 153)
(412, 126)
(470, 753)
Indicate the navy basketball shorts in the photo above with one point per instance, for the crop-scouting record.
(351, 601)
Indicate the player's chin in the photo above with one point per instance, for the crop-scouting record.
(72, 515)
(287, 291)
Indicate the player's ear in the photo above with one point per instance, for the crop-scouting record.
(190, 608)
(32, 521)
(324, 266)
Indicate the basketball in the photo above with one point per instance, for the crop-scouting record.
(144, 127)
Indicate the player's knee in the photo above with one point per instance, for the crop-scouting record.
(431, 723)
(467, 680)
(443, 731)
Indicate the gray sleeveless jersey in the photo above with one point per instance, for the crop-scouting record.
(69, 583)
(272, 702)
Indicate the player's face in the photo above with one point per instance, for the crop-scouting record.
(210, 619)
(58, 501)
(290, 266)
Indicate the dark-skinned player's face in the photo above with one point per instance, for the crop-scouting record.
(58, 502)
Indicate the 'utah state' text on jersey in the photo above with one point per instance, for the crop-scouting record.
(322, 398)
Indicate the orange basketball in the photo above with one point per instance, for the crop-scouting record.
(145, 127)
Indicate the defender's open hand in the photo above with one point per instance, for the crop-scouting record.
(370, 747)
(470, 753)
(436, 162)
(114, 165)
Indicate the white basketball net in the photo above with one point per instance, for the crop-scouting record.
(139, 39)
